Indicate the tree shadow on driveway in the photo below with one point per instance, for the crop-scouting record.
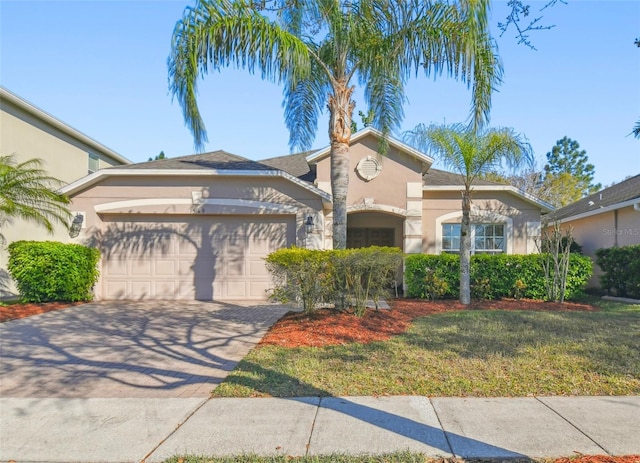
(129, 349)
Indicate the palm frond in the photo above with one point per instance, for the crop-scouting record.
(303, 103)
(471, 153)
(218, 33)
(28, 192)
(454, 39)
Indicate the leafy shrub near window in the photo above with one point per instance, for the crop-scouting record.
(492, 276)
(346, 279)
(621, 267)
(421, 269)
(51, 271)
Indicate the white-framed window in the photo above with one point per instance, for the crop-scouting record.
(486, 238)
(94, 163)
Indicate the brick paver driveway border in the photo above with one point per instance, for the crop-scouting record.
(129, 349)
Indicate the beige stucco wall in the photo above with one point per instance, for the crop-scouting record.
(620, 227)
(172, 195)
(388, 188)
(487, 206)
(26, 137)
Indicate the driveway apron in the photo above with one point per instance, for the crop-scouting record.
(129, 349)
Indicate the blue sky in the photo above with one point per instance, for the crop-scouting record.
(100, 66)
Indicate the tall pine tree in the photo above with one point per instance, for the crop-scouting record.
(568, 176)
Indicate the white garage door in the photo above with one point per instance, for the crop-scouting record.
(203, 257)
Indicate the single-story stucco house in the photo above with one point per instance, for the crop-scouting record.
(28, 132)
(608, 218)
(199, 226)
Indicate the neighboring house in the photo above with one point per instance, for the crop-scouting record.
(199, 227)
(28, 132)
(608, 218)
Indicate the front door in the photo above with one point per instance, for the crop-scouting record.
(364, 237)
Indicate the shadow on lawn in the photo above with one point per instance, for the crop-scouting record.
(420, 428)
(602, 338)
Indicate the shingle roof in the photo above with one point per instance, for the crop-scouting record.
(436, 177)
(220, 160)
(294, 164)
(624, 191)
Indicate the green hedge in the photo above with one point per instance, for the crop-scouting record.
(621, 267)
(492, 276)
(52, 271)
(344, 278)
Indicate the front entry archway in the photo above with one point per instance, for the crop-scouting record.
(374, 229)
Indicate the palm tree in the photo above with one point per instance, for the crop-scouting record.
(27, 192)
(318, 48)
(471, 154)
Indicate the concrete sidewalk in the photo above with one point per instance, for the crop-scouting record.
(152, 429)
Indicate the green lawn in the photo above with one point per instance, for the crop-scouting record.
(470, 353)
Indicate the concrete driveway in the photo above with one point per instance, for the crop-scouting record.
(129, 349)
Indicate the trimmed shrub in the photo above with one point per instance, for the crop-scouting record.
(363, 274)
(51, 271)
(300, 276)
(621, 267)
(492, 276)
(443, 269)
(344, 278)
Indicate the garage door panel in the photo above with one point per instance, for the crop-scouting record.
(116, 289)
(236, 289)
(258, 289)
(141, 289)
(165, 267)
(200, 257)
(116, 268)
(233, 267)
(185, 290)
(165, 289)
(257, 267)
(140, 268)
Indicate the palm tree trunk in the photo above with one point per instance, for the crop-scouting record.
(340, 110)
(465, 249)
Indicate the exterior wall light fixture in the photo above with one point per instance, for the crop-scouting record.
(309, 224)
(76, 225)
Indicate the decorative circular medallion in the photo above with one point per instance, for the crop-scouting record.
(368, 168)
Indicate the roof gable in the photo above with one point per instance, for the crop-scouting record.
(367, 131)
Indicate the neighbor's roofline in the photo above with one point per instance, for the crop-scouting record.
(322, 153)
(58, 124)
(99, 175)
(509, 188)
(600, 210)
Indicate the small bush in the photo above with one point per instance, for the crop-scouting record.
(299, 276)
(621, 267)
(51, 271)
(344, 278)
(492, 276)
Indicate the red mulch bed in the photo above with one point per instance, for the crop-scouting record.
(600, 459)
(329, 327)
(14, 311)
